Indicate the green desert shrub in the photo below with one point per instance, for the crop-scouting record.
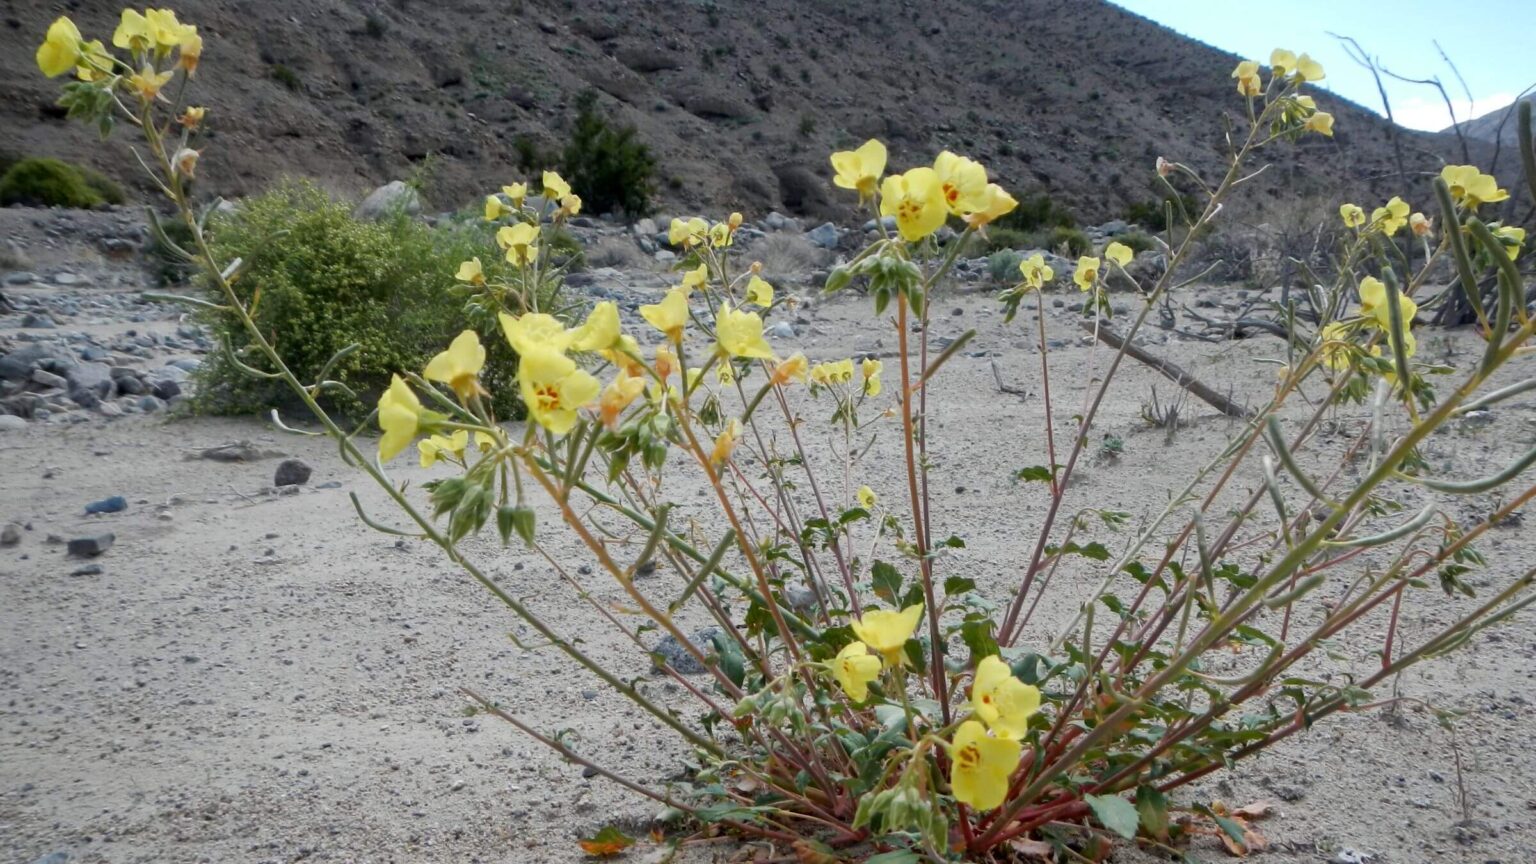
(1037, 212)
(321, 280)
(1075, 242)
(1003, 265)
(606, 164)
(1139, 241)
(46, 182)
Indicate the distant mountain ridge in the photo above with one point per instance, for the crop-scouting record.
(741, 100)
(1498, 125)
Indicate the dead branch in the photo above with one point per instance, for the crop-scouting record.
(1168, 369)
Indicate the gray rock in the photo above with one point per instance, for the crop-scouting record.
(164, 388)
(646, 227)
(665, 256)
(90, 547)
(1114, 228)
(291, 472)
(18, 365)
(87, 570)
(48, 379)
(10, 535)
(93, 377)
(782, 330)
(776, 221)
(824, 235)
(151, 404)
(890, 223)
(53, 858)
(672, 653)
(387, 200)
(20, 277)
(185, 364)
(85, 398)
(12, 423)
(34, 321)
(67, 279)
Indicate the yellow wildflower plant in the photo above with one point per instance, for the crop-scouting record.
(687, 233)
(663, 362)
(1087, 273)
(435, 447)
(1002, 701)
(1309, 70)
(886, 631)
(1373, 304)
(402, 418)
(495, 208)
(534, 331)
(860, 169)
(854, 668)
(189, 49)
(554, 388)
(1282, 62)
(670, 315)
(740, 334)
(516, 193)
(963, 183)
(867, 499)
(61, 48)
(600, 331)
(1320, 122)
(1351, 215)
(96, 64)
(869, 369)
(1035, 271)
(835, 372)
(1421, 225)
(1472, 187)
(1247, 75)
(1335, 346)
(164, 30)
(794, 369)
(1119, 253)
(695, 279)
(996, 203)
(617, 396)
(570, 205)
(916, 199)
(759, 292)
(725, 443)
(133, 32)
(1512, 238)
(191, 117)
(471, 272)
(148, 83)
(981, 765)
(459, 367)
(1391, 217)
(520, 242)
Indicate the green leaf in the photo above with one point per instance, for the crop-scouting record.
(732, 662)
(898, 856)
(977, 636)
(958, 585)
(952, 541)
(1114, 813)
(887, 581)
(607, 842)
(1035, 474)
(1153, 809)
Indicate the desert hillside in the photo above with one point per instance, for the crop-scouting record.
(740, 101)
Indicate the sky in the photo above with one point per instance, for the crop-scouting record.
(1492, 42)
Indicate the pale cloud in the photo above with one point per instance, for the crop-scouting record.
(1429, 113)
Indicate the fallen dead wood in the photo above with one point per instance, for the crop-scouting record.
(1170, 370)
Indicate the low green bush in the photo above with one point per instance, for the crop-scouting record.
(607, 165)
(1139, 241)
(321, 280)
(46, 182)
(999, 239)
(1037, 212)
(1075, 242)
(1003, 265)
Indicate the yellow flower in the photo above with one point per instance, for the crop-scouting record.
(148, 82)
(1336, 346)
(600, 331)
(720, 235)
(860, 169)
(916, 200)
(1352, 215)
(553, 388)
(624, 355)
(192, 117)
(495, 208)
(515, 193)
(617, 396)
(854, 667)
(1373, 304)
(1247, 75)
(1391, 217)
(1282, 62)
(695, 278)
(470, 272)
(740, 334)
(60, 50)
(664, 362)
(1421, 225)
(535, 331)
(555, 187)
(1471, 186)
(1035, 271)
(1087, 272)
(759, 292)
(164, 29)
(570, 205)
(401, 417)
(687, 233)
(867, 499)
(833, 373)
(963, 181)
(434, 448)
(981, 766)
(1511, 238)
(870, 368)
(95, 64)
(133, 32)
(1004, 702)
(520, 242)
(725, 373)
(670, 315)
(191, 49)
(1119, 253)
(997, 204)
(185, 162)
(793, 369)
(887, 632)
(1309, 69)
(1320, 122)
(725, 443)
(459, 367)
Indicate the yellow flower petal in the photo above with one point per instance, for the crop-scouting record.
(887, 632)
(981, 765)
(740, 334)
(854, 668)
(670, 315)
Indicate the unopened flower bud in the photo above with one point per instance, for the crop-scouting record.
(193, 116)
(1164, 167)
(186, 162)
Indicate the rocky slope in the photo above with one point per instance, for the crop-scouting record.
(741, 101)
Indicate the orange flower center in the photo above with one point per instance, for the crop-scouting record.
(968, 757)
(548, 396)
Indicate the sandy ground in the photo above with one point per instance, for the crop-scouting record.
(259, 677)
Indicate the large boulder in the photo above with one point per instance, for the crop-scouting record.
(388, 200)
